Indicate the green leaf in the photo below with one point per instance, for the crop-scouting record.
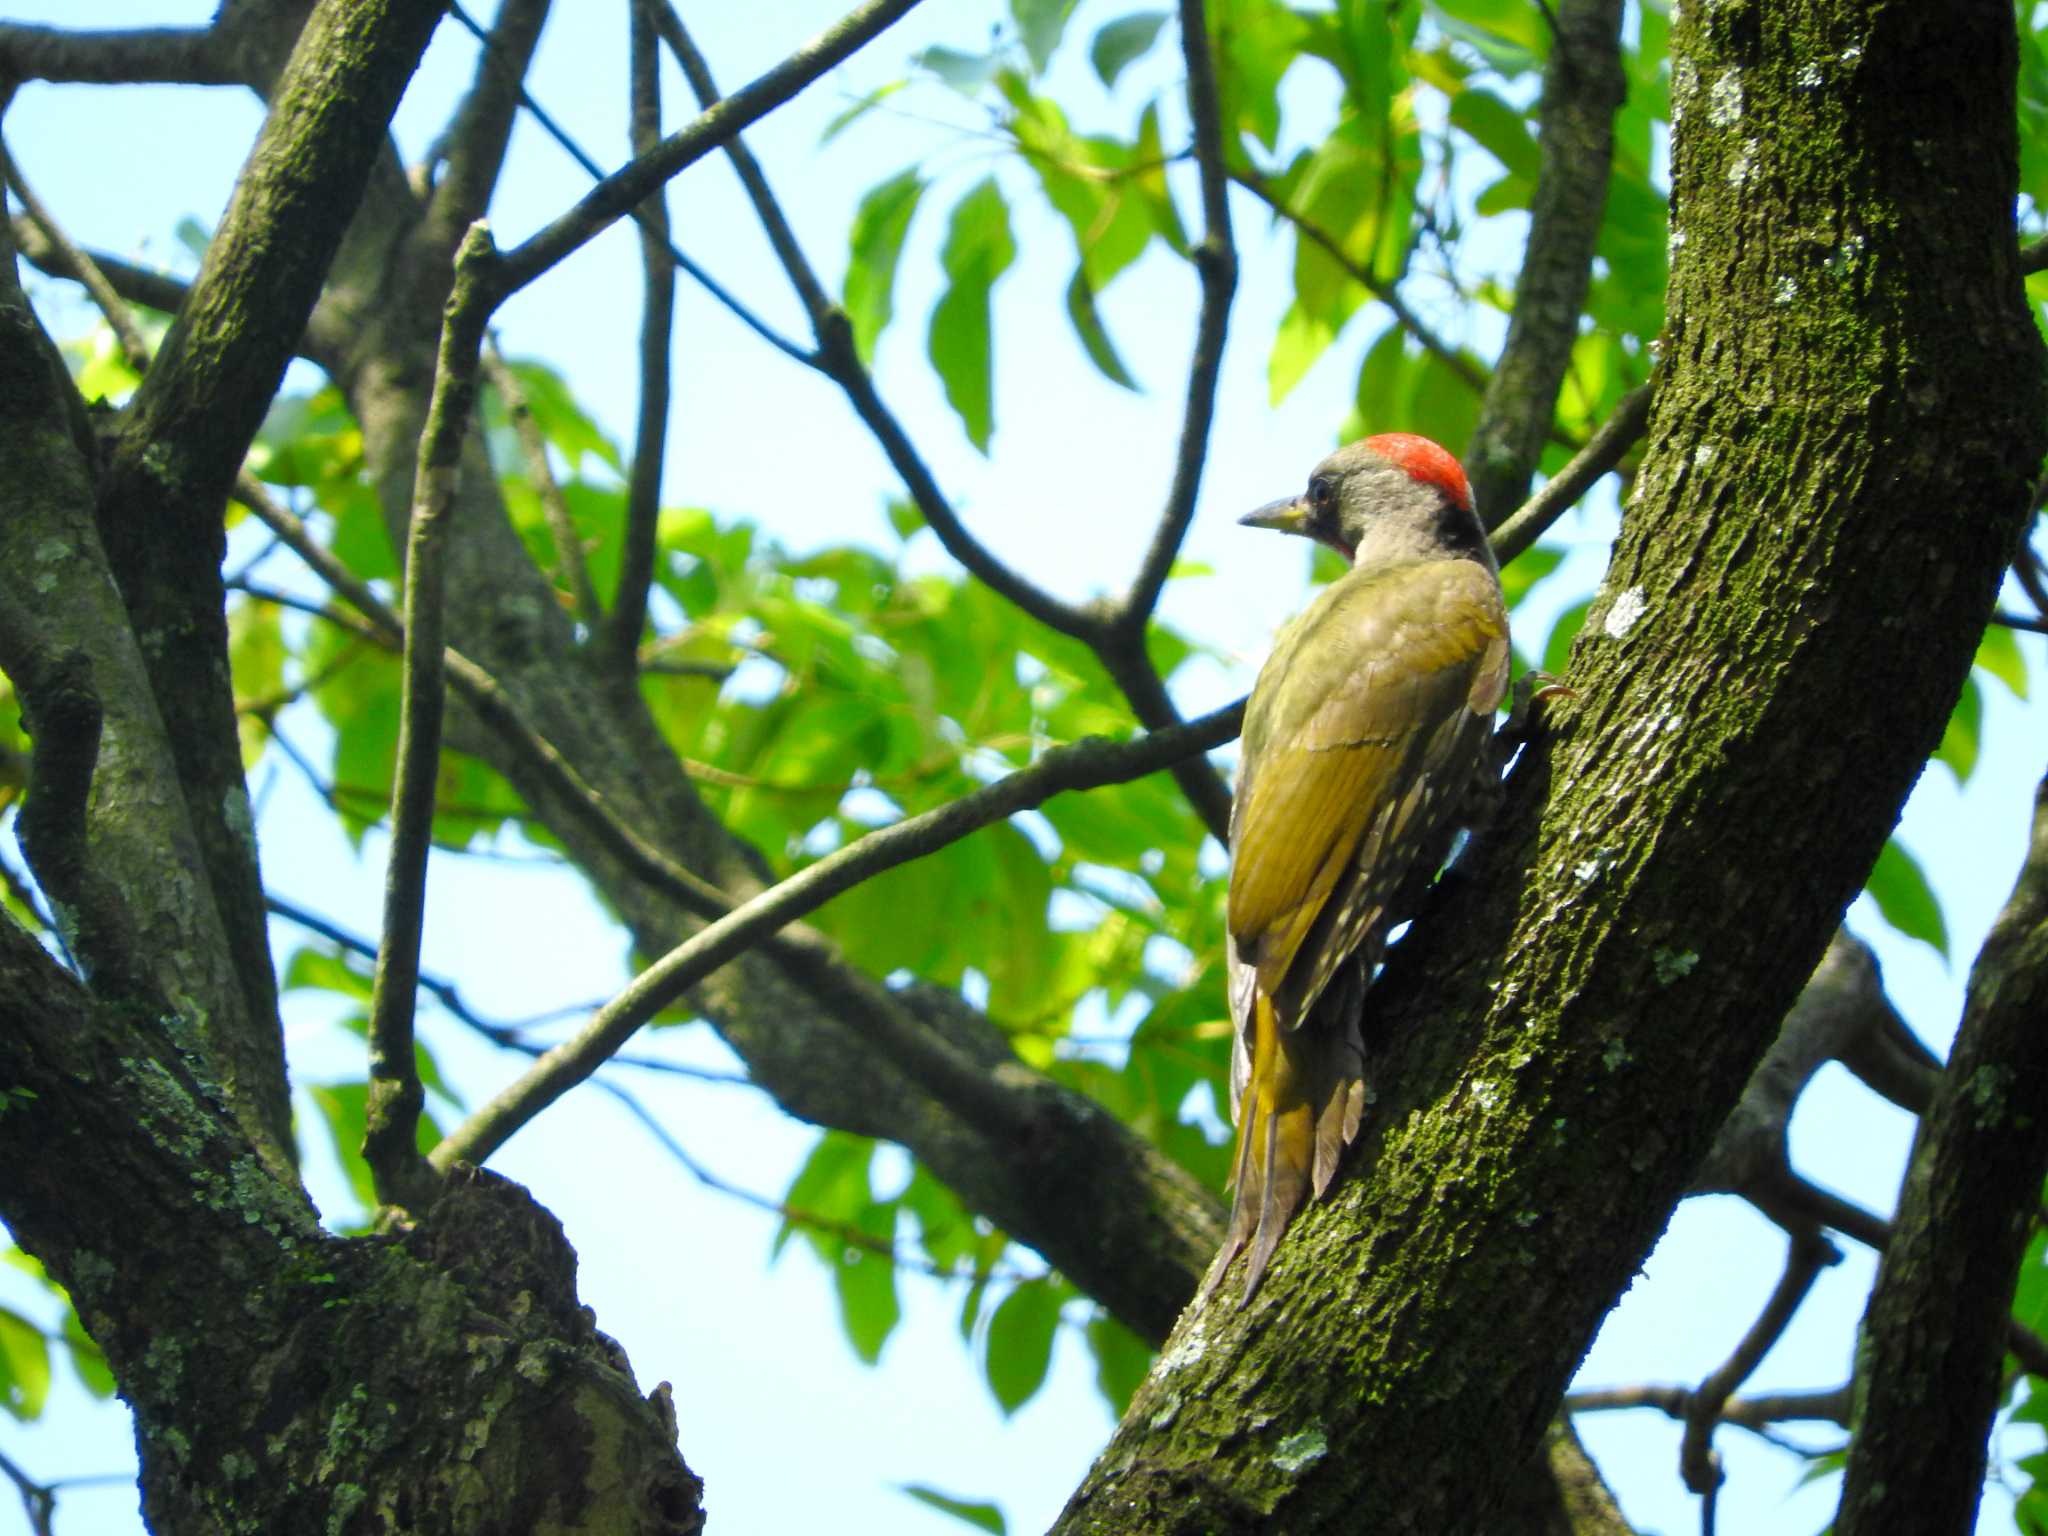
(1123, 41)
(568, 428)
(1905, 898)
(1302, 338)
(256, 653)
(1522, 573)
(1121, 1360)
(1020, 1338)
(1557, 650)
(841, 121)
(1500, 129)
(985, 1517)
(87, 1360)
(24, 1366)
(1094, 338)
(341, 1107)
(1511, 35)
(1040, 24)
(866, 1281)
(1999, 654)
(832, 1186)
(904, 516)
(966, 73)
(879, 227)
(1959, 741)
(978, 250)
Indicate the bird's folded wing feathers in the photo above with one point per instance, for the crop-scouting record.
(1337, 759)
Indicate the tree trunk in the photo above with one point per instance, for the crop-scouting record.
(1841, 454)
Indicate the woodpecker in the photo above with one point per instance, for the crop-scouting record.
(1362, 738)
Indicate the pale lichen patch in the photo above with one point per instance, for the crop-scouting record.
(1622, 616)
(1301, 1450)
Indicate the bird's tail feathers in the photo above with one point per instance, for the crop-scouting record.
(1300, 1108)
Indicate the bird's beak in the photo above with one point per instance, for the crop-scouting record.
(1287, 515)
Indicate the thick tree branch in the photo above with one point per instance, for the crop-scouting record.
(392, 1110)
(107, 833)
(650, 431)
(479, 1386)
(1936, 1328)
(128, 56)
(1081, 765)
(182, 440)
(618, 194)
(1583, 86)
(476, 140)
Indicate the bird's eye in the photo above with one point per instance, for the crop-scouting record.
(1322, 493)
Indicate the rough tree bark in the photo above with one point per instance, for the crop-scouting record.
(1850, 418)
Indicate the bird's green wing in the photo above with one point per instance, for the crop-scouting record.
(1361, 741)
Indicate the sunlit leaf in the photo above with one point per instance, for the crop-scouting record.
(966, 73)
(1040, 24)
(1019, 1346)
(1905, 898)
(1500, 128)
(24, 1366)
(843, 120)
(978, 251)
(1959, 741)
(983, 1517)
(879, 226)
(1522, 573)
(1121, 1360)
(1999, 654)
(1119, 43)
(1094, 339)
(1557, 650)
(865, 1280)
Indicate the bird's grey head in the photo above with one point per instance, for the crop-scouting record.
(1384, 500)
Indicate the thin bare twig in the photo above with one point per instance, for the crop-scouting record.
(109, 303)
(1123, 654)
(650, 433)
(1561, 492)
(138, 285)
(1082, 765)
(392, 1109)
(38, 1500)
(575, 570)
(589, 166)
(506, 1034)
(1753, 1413)
(1216, 264)
(618, 194)
(1808, 1254)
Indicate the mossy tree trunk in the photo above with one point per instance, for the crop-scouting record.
(1850, 414)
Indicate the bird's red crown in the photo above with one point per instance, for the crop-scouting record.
(1426, 461)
